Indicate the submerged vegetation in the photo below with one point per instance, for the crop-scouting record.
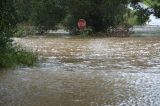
(17, 56)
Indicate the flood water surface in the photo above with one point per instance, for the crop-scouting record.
(86, 72)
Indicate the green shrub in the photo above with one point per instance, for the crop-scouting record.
(17, 56)
(23, 30)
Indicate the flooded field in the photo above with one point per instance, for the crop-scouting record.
(86, 72)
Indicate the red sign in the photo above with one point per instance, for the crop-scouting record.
(81, 23)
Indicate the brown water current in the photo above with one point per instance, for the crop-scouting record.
(86, 72)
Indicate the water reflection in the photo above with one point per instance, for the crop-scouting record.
(86, 72)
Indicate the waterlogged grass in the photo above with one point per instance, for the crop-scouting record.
(17, 56)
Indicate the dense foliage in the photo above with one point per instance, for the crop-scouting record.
(10, 54)
(46, 14)
(7, 23)
(99, 14)
(156, 5)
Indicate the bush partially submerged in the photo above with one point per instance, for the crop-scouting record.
(25, 30)
(17, 56)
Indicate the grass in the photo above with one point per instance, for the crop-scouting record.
(17, 56)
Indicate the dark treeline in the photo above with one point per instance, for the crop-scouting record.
(99, 14)
(47, 14)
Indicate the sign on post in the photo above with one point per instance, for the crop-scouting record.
(82, 24)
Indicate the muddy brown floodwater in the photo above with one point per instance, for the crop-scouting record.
(86, 72)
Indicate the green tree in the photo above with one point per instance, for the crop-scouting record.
(99, 14)
(10, 54)
(46, 14)
(23, 10)
(8, 21)
(155, 4)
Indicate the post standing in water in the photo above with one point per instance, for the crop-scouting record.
(82, 26)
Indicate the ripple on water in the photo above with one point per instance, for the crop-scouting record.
(86, 72)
